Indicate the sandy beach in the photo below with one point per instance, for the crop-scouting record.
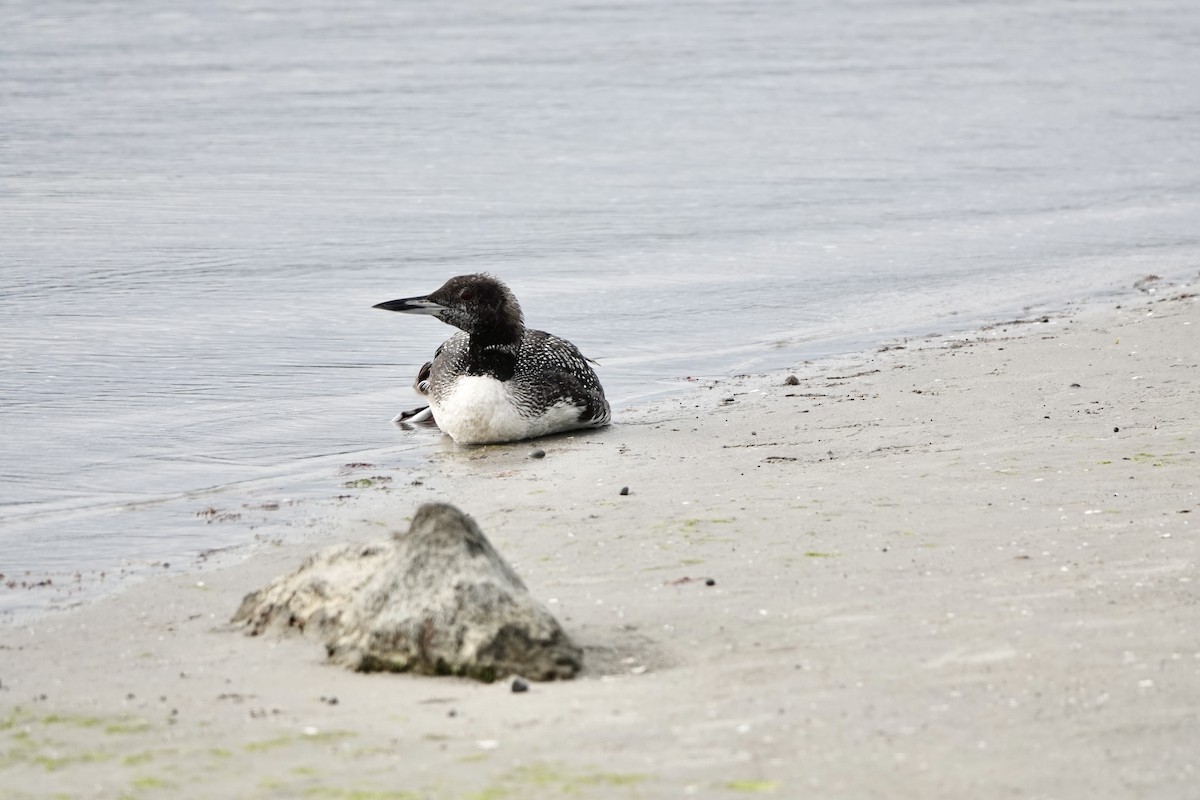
(961, 566)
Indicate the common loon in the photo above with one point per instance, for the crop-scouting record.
(498, 381)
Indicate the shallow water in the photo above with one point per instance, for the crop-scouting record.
(200, 204)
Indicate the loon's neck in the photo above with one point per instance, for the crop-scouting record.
(492, 356)
(496, 333)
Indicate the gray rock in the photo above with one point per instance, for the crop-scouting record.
(436, 600)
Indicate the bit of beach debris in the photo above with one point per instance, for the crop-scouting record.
(213, 514)
(686, 579)
(1146, 284)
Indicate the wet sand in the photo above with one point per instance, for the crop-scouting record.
(964, 566)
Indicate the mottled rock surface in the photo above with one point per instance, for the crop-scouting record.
(436, 599)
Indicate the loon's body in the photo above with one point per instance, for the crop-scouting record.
(496, 380)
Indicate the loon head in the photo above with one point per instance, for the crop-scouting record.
(478, 304)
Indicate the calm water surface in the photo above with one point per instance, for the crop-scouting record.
(200, 202)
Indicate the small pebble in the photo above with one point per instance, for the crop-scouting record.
(624, 490)
(1116, 430)
(538, 454)
(519, 685)
(452, 713)
(791, 380)
(710, 582)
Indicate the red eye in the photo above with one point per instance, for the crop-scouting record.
(467, 294)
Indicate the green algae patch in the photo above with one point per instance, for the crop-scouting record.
(128, 726)
(114, 725)
(145, 782)
(752, 787)
(694, 537)
(553, 780)
(22, 750)
(269, 744)
(612, 779)
(146, 756)
(59, 741)
(374, 750)
(290, 739)
(1150, 458)
(323, 793)
(473, 758)
(136, 759)
(74, 721)
(694, 522)
(18, 716)
(56, 763)
(537, 775)
(818, 554)
(490, 793)
(693, 531)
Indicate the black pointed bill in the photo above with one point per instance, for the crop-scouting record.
(411, 305)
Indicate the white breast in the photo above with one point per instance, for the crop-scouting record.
(479, 410)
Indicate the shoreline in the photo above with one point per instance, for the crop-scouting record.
(274, 507)
(936, 566)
